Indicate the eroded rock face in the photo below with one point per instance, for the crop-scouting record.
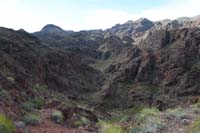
(168, 60)
(130, 28)
(25, 62)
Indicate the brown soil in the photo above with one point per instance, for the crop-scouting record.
(48, 126)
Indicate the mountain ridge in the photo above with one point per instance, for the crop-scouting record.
(138, 63)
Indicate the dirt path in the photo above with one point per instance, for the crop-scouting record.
(48, 126)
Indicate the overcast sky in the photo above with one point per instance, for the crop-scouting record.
(32, 15)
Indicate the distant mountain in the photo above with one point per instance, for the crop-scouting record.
(52, 28)
(130, 51)
(130, 28)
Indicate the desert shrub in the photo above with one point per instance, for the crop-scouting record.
(81, 121)
(154, 124)
(28, 106)
(151, 125)
(197, 105)
(33, 104)
(38, 103)
(177, 113)
(40, 90)
(145, 113)
(125, 114)
(31, 119)
(11, 79)
(6, 125)
(111, 128)
(57, 116)
(138, 129)
(4, 94)
(194, 127)
(196, 66)
(77, 123)
(114, 129)
(147, 121)
(125, 119)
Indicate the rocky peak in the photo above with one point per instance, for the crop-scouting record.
(183, 19)
(51, 28)
(131, 27)
(144, 21)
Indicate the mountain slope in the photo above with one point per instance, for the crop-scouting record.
(137, 64)
(30, 70)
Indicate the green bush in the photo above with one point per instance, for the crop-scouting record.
(177, 113)
(145, 113)
(6, 125)
(194, 127)
(154, 124)
(31, 119)
(38, 103)
(148, 120)
(125, 114)
(33, 104)
(81, 121)
(197, 105)
(125, 119)
(138, 129)
(57, 116)
(28, 106)
(4, 94)
(111, 128)
(114, 129)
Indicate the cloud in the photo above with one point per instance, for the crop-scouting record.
(174, 9)
(106, 18)
(16, 16)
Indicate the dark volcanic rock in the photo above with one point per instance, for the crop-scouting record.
(27, 62)
(144, 61)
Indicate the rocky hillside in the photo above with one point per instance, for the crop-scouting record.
(138, 63)
(27, 64)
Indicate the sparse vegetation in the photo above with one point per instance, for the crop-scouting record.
(111, 128)
(36, 103)
(125, 119)
(138, 129)
(145, 113)
(177, 113)
(81, 121)
(28, 106)
(147, 121)
(197, 105)
(124, 114)
(31, 119)
(196, 66)
(40, 90)
(194, 127)
(6, 125)
(4, 94)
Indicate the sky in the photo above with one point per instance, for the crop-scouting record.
(32, 15)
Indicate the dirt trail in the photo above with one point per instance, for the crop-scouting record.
(48, 126)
